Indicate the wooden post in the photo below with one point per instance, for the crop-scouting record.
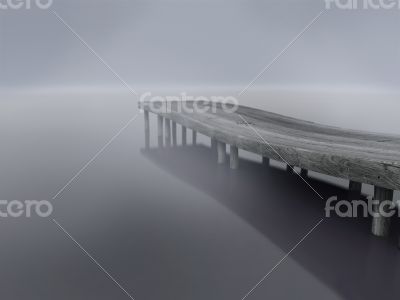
(147, 129)
(213, 147)
(160, 131)
(354, 190)
(381, 224)
(265, 161)
(234, 157)
(167, 132)
(304, 173)
(194, 137)
(174, 140)
(183, 135)
(221, 152)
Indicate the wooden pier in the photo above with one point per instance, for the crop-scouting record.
(360, 157)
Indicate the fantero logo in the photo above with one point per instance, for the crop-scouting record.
(25, 4)
(362, 4)
(186, 103)
(26, 208)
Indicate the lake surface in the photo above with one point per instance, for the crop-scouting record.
(172, 224)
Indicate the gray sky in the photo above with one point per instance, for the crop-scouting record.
(199, 43)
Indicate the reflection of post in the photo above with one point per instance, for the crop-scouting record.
(147, 129)
(183, 135)
(174, 142)
(380, 223)
(234, 157)
(167, 132)
(379, 268)
(221, 152)
(160, 131)
(194, 136)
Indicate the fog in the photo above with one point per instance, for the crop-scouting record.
(172, 223)
(174, 43)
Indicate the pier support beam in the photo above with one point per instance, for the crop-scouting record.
(174, 139)
(213, 147)
(194, 137)
(380, 223)
(221, 152)
(160, 131)
(167, 132)
(354, 190)
(304, 173)
(265, 161)
(234, 157)
(184, 136)
(289, 169)
(146, 129)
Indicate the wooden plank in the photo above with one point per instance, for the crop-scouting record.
(355, 155)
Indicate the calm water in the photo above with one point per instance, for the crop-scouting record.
(171, 224)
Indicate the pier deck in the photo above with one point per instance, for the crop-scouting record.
(361, 157)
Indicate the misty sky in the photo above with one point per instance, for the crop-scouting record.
(199, 43)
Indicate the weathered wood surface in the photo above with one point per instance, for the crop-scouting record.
(359, 156)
